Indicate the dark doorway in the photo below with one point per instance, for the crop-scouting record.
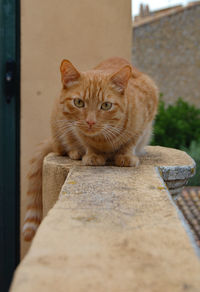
(9, 139)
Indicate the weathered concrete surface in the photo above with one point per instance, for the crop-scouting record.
(175, 166)
(113, 229)
(55, 171)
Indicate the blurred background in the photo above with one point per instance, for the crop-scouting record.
(159, 37)
(166, 45)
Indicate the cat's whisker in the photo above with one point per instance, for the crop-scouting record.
(120, 136)
(124, 133)
(67, 131)
(109, 138)
(114, 131)
(64, 126)
(112, 135)
(62, 133)
(63, 121)
(121, 130)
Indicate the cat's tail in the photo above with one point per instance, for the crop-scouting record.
(33, 215)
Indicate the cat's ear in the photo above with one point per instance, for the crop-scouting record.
(69, 74)
(120, 79)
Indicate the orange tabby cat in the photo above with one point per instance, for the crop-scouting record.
(102, 114)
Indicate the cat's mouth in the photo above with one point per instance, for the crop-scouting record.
(90, 131)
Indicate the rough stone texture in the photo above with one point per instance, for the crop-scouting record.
(176, 177)
(55, 171)
(56, 168)
(113, 229)
(167, 48)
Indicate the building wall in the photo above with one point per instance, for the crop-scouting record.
(168, 49)
(85, 32)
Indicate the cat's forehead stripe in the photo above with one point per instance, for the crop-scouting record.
(93, 90)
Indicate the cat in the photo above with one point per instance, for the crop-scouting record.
(102, 114)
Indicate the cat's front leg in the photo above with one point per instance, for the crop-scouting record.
(75, 154)
(125, 157)
(93, 159)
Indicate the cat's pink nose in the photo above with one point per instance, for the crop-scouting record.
(90, 123)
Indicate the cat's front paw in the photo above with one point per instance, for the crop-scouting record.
(93, 159)
(126, 160)
(75, 154)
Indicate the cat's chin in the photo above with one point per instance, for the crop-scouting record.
(90, 132)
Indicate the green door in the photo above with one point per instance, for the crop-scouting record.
(9, 139)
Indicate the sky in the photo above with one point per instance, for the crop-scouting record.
(156, 4)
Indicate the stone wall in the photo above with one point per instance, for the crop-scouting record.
(167, 48)
(112, 229)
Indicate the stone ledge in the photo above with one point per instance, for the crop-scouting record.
(174, 166)
(113, 229)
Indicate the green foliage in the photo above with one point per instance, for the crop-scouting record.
(178, 126)
(194, 152)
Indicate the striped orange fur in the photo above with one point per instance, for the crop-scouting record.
(34, 208)
(105, 113)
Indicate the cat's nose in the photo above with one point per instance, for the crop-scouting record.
(90, 123)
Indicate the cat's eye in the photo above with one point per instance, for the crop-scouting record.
(106, 106)
(78, 102)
